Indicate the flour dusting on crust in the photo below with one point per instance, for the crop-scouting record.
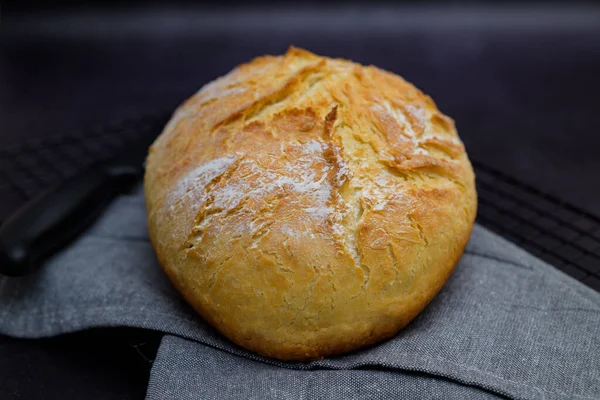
(189, 193)
(197, 179)
(304, 179)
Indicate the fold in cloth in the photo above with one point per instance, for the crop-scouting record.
(505, 324)
(185, 371)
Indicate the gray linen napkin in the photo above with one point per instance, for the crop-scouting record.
(505, 325)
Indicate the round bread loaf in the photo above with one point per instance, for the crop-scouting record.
(308, 206)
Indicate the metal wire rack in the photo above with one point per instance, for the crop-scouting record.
(561, 234)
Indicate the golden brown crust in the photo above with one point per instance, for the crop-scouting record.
(308, 206)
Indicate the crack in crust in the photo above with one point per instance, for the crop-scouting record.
(261, 107)
(417, 226)
(206, 211)
(395, 264)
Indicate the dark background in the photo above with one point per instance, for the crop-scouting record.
(522, 81)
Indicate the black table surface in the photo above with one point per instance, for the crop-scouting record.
(521, 83)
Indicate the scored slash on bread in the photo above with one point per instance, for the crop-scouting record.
(308, 206)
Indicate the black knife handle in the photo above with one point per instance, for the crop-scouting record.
(54, 218)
